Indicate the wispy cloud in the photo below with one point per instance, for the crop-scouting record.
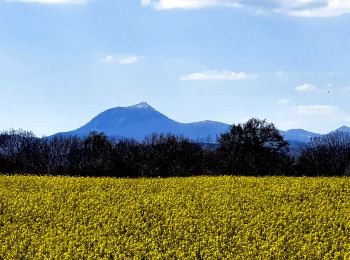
(218, 75)
(116, 59)
(50, 2)
(298, 8)
(305, 88)
(316, 110)
(283, 101)
(331, 8)
(189, 4)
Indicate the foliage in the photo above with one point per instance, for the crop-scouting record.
(96, 155)
(168, 155)
(174, 218)
(328, 155)
(253, 148)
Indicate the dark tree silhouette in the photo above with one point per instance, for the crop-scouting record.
(128, 158)
(169, 155)
(328, 155)
(96, 159)
(12, 145)
(253, 148)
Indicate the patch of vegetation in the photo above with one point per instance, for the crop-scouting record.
(174, 218)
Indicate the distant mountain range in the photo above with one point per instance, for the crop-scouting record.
(140, 120)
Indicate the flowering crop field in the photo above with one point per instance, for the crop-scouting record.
(175, 218)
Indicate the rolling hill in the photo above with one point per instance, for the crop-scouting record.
(140, 120)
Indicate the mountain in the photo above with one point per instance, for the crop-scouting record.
(343, 129)
(141, 120)
(299, 135)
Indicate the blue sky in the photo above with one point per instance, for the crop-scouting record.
(64, 61)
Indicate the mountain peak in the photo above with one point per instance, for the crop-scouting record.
(344, 129)
(141, 105)
(140, 120)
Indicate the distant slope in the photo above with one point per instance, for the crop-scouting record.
(299, 135)
(141, 120)
(343, 129)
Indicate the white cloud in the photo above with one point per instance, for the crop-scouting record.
(218, 75)
(316, 110)
(50, 2)
(332, 8)
(299, 8)
(305, 88)
(283, 101)
(298, 3)
(145, 2)
(347, 119)
(189, 4)
(120, 59)
(280, 73)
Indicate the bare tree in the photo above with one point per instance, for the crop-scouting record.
(328, 155)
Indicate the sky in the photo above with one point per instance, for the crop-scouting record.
(64, 61)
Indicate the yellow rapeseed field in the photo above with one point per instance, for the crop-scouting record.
(176, 218)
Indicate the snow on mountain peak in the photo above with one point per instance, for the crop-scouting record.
(142, 105)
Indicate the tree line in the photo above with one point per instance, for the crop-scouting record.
(255, 148)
